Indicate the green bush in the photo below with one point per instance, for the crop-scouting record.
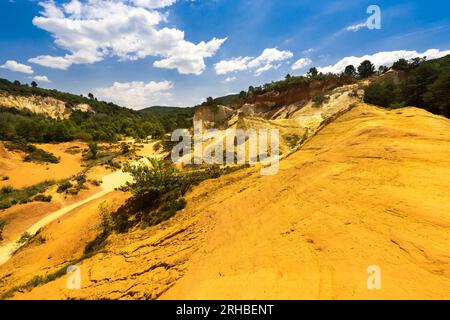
(93, 150)
(292, 140)
(2, 227)
(385, 94)
(24, 238)
(64, 186)
(319, 99)
(42, 198)
(7, 189)
(106, 227)
(24, 195)
(34, 154)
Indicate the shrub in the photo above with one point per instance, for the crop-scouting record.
(385, 94)
(125, 148)
(5, 178)
(106, 227)
(64, 186)
(2, 227)
(96, 183)
(155, 179)
(93, 150)
(7, 189)
(158, 190)
(42, 198)
(319, 99)
(34, 154)
(24, 238)
(23, 195)
(292, 140)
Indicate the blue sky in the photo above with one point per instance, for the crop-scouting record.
(177, 52)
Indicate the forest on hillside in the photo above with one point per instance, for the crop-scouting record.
(423, 84)
(108, 122)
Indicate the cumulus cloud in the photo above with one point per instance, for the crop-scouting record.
(12, 65)
(128, 29)
(154, 4)
(232, 65)
(137, 94)
(41, 78)
(269, 59)
(230, 79)
(385, 58)
(301, 63)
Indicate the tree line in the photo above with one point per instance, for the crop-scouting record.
(423, 84)
(107, 122)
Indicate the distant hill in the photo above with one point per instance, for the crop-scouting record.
(166, 109)
(41, 115)
(22, 96)
(226, 99)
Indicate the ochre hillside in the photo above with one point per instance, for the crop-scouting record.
(370, 188)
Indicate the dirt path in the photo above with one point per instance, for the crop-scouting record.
(109, 183)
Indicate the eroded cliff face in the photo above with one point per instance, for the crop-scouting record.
(213, 117)
(48, 106)
(277, 104)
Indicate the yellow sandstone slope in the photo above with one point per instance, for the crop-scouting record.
(371, 188)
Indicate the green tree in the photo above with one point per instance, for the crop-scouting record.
(401, 65)
(93, 149)
(437, 99)
(366, 69)
(125, 148)
(312, 73)
(350, 70)
(382, 69)
(385, 94)
(34, 84)
(152, 180)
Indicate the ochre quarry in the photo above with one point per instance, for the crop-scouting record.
(371, 188)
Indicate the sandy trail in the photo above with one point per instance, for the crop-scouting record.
(109, 183)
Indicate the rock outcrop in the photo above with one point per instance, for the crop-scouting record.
(48, 106)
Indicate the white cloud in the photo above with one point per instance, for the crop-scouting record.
(269, 59)
(301, 63)
(356, 27)
(270, 56)
(386, 58)
(154, 4)
(137, 94)
(95, 29)
(41, 78)
(17, 67)
(230, 79)
(62, 63)
(233, 65)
